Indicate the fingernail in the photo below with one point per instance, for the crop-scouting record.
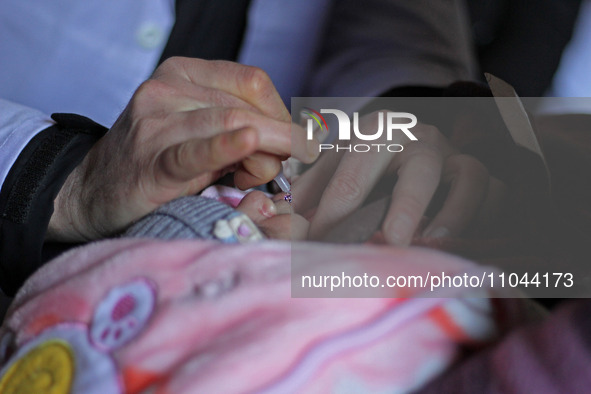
(439, 232)
(313, 149)
(397, 230)
(319, 134)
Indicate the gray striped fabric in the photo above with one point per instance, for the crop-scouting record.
(184, 218)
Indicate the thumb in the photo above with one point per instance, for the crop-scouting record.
(187, 160)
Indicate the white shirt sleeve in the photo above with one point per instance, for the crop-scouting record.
(85, 58)
(18, 125)
(88, 61)
(371, 46)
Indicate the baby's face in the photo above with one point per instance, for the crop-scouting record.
(273, 216)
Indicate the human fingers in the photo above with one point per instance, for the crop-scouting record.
(285, 227)
(250, 84)
(494, 204)
(469, 181)
(278, 138)
(275, 137)
(256, 169)
(281, 204)
(353, 180)
(259, 207)
(273, 216)
(170, 94)
(419, 169)
(429, 134)
(307, 189)
(186, 161)
(286, 224)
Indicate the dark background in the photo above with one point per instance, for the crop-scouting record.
(521, 41)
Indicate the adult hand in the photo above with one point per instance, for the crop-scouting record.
(420, 168)
(192, 122)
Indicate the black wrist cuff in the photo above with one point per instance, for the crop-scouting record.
(28, 192)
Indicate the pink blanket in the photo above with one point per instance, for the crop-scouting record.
(200, 317)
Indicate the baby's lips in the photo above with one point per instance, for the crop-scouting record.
(268, 209)
(257, 206)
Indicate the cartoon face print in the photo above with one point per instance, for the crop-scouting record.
(48, 368)
(58, 361)
(70, 357)
(122, 314)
